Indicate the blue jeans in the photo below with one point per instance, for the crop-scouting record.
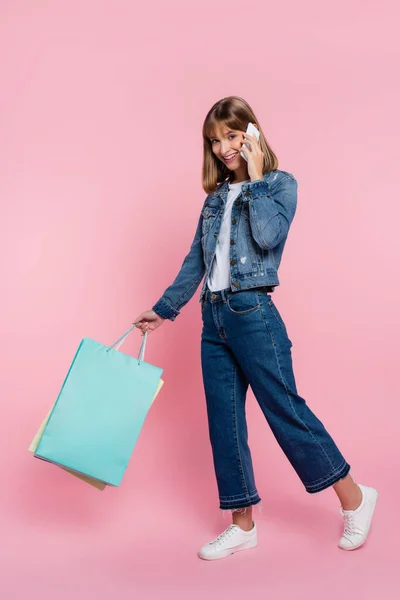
(244, 341)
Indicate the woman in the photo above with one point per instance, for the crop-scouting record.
(238, 245)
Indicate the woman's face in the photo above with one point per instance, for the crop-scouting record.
(226, 146)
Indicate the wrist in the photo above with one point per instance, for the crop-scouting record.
(256, 178)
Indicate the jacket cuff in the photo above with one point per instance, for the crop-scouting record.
(259, 185)
(165, 310)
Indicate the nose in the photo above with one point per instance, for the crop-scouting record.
(225, 148)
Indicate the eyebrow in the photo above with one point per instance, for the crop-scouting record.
(227, 133)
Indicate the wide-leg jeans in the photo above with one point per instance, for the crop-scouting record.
(244, 342)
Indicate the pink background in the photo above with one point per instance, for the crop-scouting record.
(101, 111)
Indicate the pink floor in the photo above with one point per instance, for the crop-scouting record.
(120, 544)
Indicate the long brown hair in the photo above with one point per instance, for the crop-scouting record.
(234, 113)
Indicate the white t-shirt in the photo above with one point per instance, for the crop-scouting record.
(219, 278)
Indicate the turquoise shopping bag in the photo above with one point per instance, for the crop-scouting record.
(100, 410)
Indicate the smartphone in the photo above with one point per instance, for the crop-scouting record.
(252, 131)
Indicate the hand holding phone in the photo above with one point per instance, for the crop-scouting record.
(251, 130)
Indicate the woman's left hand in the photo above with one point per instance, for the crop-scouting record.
(255, 156)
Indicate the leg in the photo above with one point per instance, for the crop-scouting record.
(263, 349)
(245, 519)
(259, 341)
(348, 492)
(225, 389)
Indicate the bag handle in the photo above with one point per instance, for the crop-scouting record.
(118, 343)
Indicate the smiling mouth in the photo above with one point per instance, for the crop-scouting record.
(230, 157)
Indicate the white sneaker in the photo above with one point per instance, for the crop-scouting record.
(229, 541)
(358, 522)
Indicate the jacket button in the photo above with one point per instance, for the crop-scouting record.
(232, 242)
(233, 262)
(248, 193)
(237, 202)
(236, 283)
(233, 221)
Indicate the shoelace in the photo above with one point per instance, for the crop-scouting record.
(224, 535)
(350, 528)
(349, 525)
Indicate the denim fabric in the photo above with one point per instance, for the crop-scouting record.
(244, 342)
(260, 221)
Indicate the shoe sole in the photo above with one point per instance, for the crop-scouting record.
(225, 553)
(373, 503)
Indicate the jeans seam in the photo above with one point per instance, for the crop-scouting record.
(238, 500)
(236, 429)
(322, 479)
(279, 320)
(220, 326)
(329, 482)
(251, 494)
(327, 477)
(243, 504)
(291, 403)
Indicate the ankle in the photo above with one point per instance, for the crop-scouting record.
(354, 502)
(244, 525)
(243, 518)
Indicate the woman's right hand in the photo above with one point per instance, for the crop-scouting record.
(148, 321)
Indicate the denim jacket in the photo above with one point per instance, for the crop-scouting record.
(261, 217)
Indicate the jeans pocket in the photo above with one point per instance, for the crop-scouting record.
(243, 302)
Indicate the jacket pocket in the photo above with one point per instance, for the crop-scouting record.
(209, 213)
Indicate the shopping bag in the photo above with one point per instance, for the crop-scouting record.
(94, 424)
(100, 485)
(32, 448)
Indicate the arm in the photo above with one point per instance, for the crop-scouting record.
(271, 210)
(186, 282)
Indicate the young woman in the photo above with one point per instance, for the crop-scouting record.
(238, 245)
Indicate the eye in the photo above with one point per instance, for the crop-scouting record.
(231, 136)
